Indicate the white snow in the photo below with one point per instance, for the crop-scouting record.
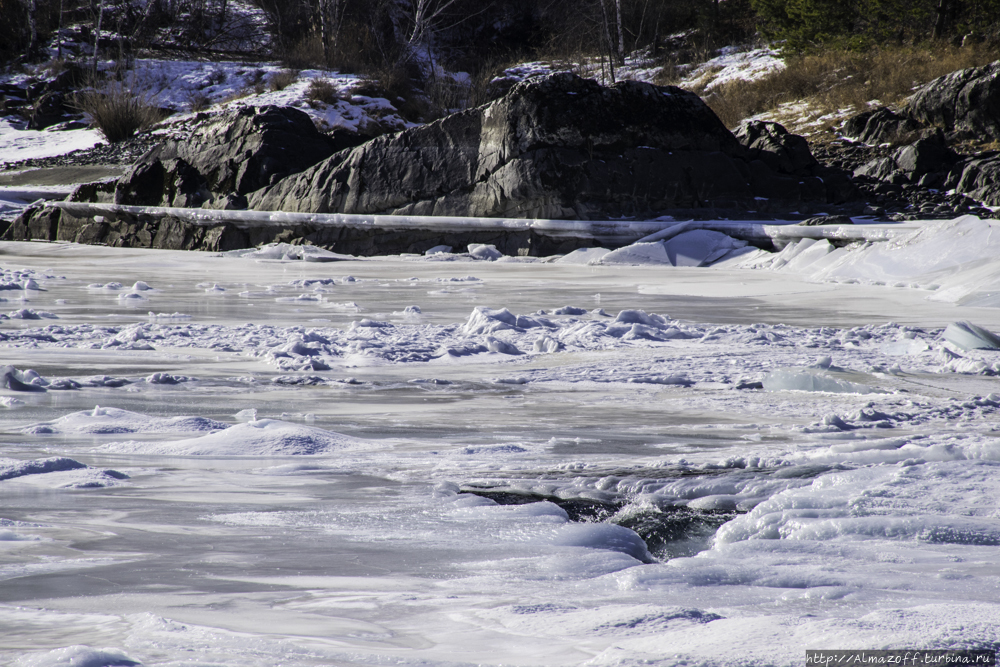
(18, 143)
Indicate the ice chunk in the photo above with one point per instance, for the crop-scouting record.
(700, 247)
(641, 317)
(487, 320)
(438, 250)
(803, 379)
(485, 252)
(11, 378)
(603, 536)
(248, 415)
(547, 344)
(968, 336)
(499, 346)
(29, 314)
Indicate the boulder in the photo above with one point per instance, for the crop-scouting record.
(966, 101)
(776, 147)
(553, 147)
(925, 156)
(926, 161)
(980, 179)
(48, 110)
(879, 126)
(232, 154)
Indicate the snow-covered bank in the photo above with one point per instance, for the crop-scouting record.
(955, 259)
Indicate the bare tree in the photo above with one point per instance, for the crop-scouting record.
(331, 17)
(425, 16)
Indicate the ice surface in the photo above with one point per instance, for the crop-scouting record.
(346, 481)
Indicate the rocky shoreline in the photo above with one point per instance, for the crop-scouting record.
(558, 147)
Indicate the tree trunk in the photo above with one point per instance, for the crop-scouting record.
(97, 37)
(32, 26)
(59, 32)
(609, 50)
(324, 30)
(621, 33)
(941, 21)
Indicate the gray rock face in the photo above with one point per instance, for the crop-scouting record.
(233, 154)
(979, 178)
(879, 126)
(926, 157)
(559, 147)
(966, 101)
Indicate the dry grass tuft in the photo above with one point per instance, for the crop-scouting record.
(321, 90)
(840, 79)
(118, 111)
(282, 79)
(198, 101)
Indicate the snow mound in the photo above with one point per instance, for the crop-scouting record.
(79, 656)
(637, 254)
(264, 437)
(58, 473)
(11, 468)
(114, 420)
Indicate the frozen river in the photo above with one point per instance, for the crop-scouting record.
(411, 461)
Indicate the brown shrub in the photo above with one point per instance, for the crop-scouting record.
(282, 79)
(321, 90)
(118, 111)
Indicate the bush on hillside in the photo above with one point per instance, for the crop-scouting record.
(118, 111)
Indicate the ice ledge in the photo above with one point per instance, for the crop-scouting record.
(607, 232)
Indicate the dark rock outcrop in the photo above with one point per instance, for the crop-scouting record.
(232, 154)
(560, 147)
(966, 102)
(927, 162)
(776, 147)
(879, 126)
(979, 178)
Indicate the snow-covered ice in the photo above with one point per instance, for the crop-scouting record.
(564, 462)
